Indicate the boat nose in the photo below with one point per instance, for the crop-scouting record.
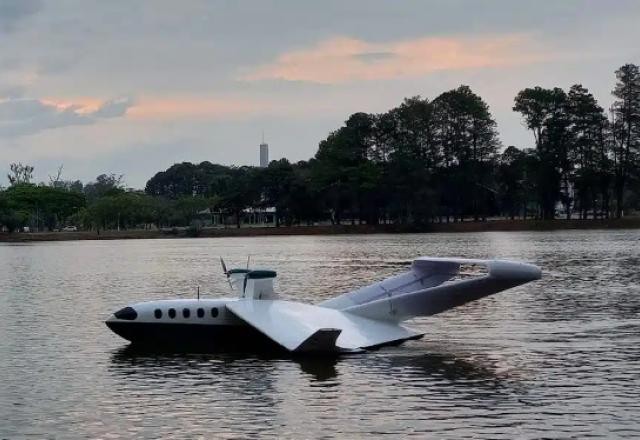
(122, 322)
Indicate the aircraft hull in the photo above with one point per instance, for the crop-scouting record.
(205, 336)
(227, 338)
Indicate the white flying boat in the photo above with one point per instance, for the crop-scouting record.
(366, 318)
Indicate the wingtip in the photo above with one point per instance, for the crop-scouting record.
(515, 270)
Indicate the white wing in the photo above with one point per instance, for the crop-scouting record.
(429, 288)
(304, 327)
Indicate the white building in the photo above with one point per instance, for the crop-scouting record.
(264, 155)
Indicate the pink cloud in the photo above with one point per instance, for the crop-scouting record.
(166, 107)
(344, 59)
(161, 108)
(80, 105)
(194, 107)
(28, 116)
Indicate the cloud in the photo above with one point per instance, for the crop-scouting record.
(342, 59)
(11, 91)
(13, 11)
(235, 107)
(374, 56)
(21, 117)
(113, 108)
(196, 107)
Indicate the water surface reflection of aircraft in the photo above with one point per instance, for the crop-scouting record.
(366, 318)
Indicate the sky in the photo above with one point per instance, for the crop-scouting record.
(133, 87)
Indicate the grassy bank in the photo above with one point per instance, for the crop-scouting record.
(494, 225)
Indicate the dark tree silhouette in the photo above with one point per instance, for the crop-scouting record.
(626, 129)
(426, 160)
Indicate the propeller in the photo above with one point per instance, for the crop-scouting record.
(244, 283)
(224, 267)
(226, 272)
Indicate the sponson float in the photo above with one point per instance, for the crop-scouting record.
(367, 318)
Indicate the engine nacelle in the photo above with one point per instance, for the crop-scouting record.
(258, 284)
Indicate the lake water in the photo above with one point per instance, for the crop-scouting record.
(556, 358)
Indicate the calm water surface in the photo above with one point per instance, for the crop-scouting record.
(555, 358)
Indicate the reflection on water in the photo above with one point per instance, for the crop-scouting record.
(555, 358)
(145, 363)
(133, 360)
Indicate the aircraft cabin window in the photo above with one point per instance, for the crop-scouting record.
(214, 312)
(186, 313)
(157, 313)
(172, 313)
(200, 313)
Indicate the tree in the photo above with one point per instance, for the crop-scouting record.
(468, 140)
(187, 179)
(407, 157)
(589, 149)
(186, 209)
(20, 174)
(70, 185)
(55, 181)
(338, 164)
(242, 191)
(512, 181)
(544, 113)
(10, 218)
(123, 210)
(304, 203)
(277, 181)
(43, 204)
(105, 185)
(626, 129)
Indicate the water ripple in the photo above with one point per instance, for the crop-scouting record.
(557, 358)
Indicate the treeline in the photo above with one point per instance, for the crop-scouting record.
(424, 161)
(102, 204)
(439, 160)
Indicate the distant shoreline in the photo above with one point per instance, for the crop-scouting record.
(469, 226)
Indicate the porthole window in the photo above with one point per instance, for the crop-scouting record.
(157, 313)
(214, 312)
(186, 313)
(172, 313)
(200, 313)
